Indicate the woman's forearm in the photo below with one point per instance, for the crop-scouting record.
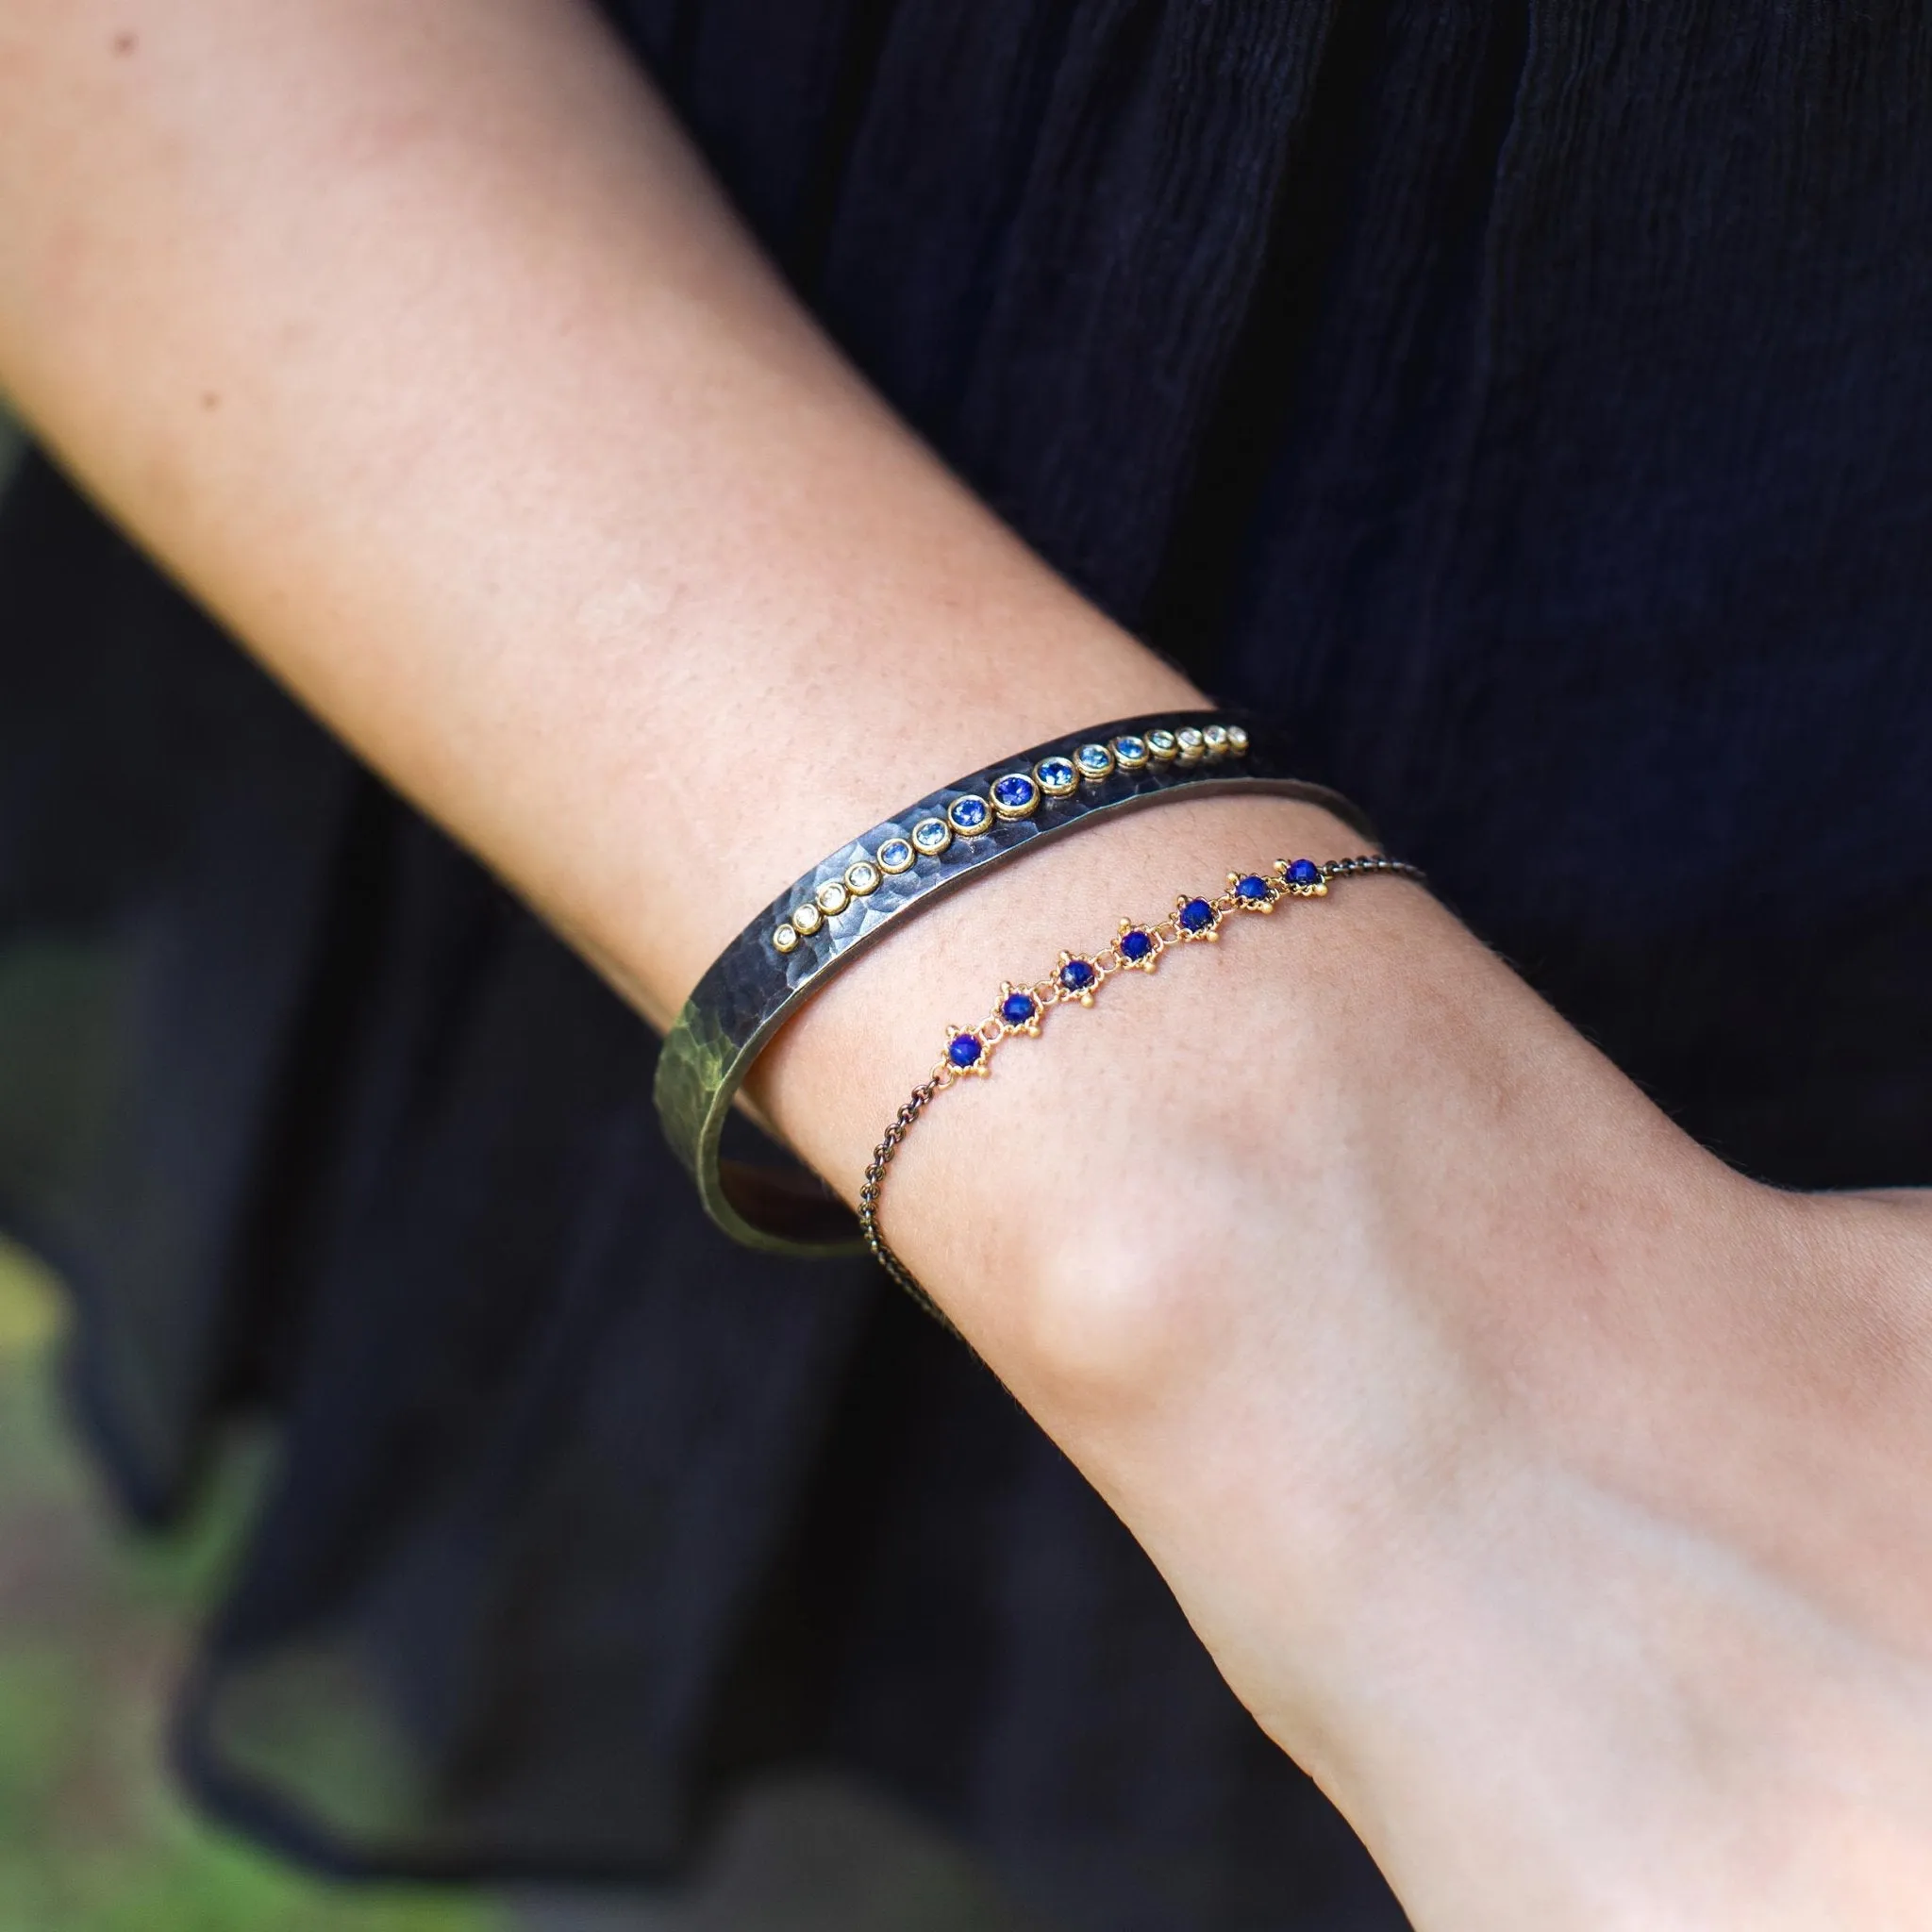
(414, 340)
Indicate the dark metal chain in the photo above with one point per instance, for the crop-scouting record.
(922, 1098)
(916, 1104)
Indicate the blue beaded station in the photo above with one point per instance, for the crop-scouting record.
(1079, 976)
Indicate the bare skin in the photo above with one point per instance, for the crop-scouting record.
(1561, 1499)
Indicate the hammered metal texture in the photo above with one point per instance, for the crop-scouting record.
(752, 988)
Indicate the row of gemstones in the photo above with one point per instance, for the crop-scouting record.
(1016, 795)
(1078, 975)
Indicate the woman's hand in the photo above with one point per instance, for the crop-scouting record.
(1560, 1498)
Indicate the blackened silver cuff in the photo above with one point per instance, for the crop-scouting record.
(826, 918)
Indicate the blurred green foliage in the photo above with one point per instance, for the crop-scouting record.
(94, 1622)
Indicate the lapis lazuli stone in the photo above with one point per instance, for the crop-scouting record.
(964, 1049)
(1015, 791)
(1254, 887)
(1017, 1009)
(1135, 944)
(1305, 871)
(1076, 975)
(1196, 915)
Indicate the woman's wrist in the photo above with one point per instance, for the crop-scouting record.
(1004, 1175)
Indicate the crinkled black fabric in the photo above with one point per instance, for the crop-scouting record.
(1531, 402)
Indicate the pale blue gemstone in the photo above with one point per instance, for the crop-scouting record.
(932, 835)
(895, 855)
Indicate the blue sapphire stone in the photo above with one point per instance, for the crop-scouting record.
(1254, 887)
(968, 812)
(1305, 871)
(1135, 944)
(1014, 793)
(1017, 1009)
(1057, 771)
(1196, 915)
(964, 1049)
(1076, 975)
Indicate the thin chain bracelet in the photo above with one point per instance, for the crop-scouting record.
(1137, 948)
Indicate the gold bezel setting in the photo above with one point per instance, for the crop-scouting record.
(1190, 742)
(1237, 739)
(863, 878)
(979, 1066)
(931, 837)
(806, 918)
(1023, 802)
(895, 855)
(1096, 762)
(1084, 993)
(1214, 738)
(1316, 887)
(785, 936)
(833, 897)
(1162, 745)
(1130, 753)
(1242, 902)
(1210, 929)
(971, 817)
(1058, 776)
(1149, 961)
(1030, 1025)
